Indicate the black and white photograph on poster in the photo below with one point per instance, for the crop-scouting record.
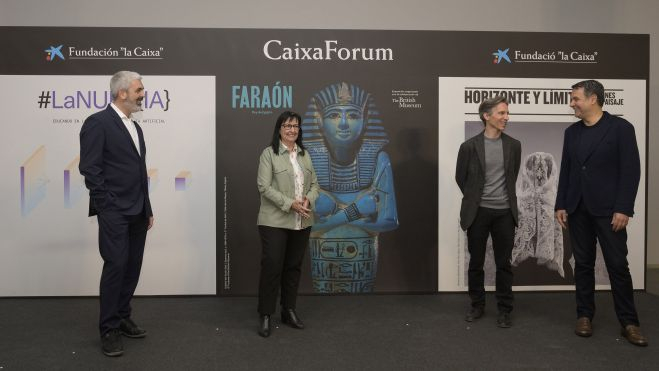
(539, 114)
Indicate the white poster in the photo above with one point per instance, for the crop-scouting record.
(48, 245)
(539, 114)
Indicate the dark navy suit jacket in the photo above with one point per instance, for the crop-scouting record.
(115, 173)
(607, 180)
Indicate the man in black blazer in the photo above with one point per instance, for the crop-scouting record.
(112, 160)
(486, 172)
(600, 173)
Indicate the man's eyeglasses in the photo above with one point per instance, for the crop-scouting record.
(291, 126)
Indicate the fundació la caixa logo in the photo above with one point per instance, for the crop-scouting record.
(54, 52)
(501, 54)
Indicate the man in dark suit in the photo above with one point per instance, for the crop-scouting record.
(112, 160)
(486, 172)
(600, 173)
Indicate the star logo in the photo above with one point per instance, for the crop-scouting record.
(499, 55)
(54, 52)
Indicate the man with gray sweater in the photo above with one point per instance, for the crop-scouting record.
(486, 172)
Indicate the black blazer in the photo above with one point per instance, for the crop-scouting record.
(470, 174)
(114, 172)
(608, 179)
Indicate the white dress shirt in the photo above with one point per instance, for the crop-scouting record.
(130, 125)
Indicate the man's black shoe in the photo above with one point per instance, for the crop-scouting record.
(474, 313)
(130, 329)
(111, 343)
(503, 320)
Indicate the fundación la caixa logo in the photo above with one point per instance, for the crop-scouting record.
(54, 52)
(110, 52)
(500, 55)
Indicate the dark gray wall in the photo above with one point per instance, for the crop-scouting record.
(598, 16)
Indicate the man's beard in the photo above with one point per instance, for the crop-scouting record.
(134, 107)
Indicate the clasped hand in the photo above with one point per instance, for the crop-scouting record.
(301, 207)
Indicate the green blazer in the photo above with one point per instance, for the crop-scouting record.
(276, 183)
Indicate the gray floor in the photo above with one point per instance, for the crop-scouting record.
(378, 332)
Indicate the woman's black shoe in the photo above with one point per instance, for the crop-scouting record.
(264, 328)
(289, 317)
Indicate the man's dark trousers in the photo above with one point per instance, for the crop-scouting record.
(121, 244)
(584, 230)
(501, 225)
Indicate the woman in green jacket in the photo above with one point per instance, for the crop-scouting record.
(289, 188)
